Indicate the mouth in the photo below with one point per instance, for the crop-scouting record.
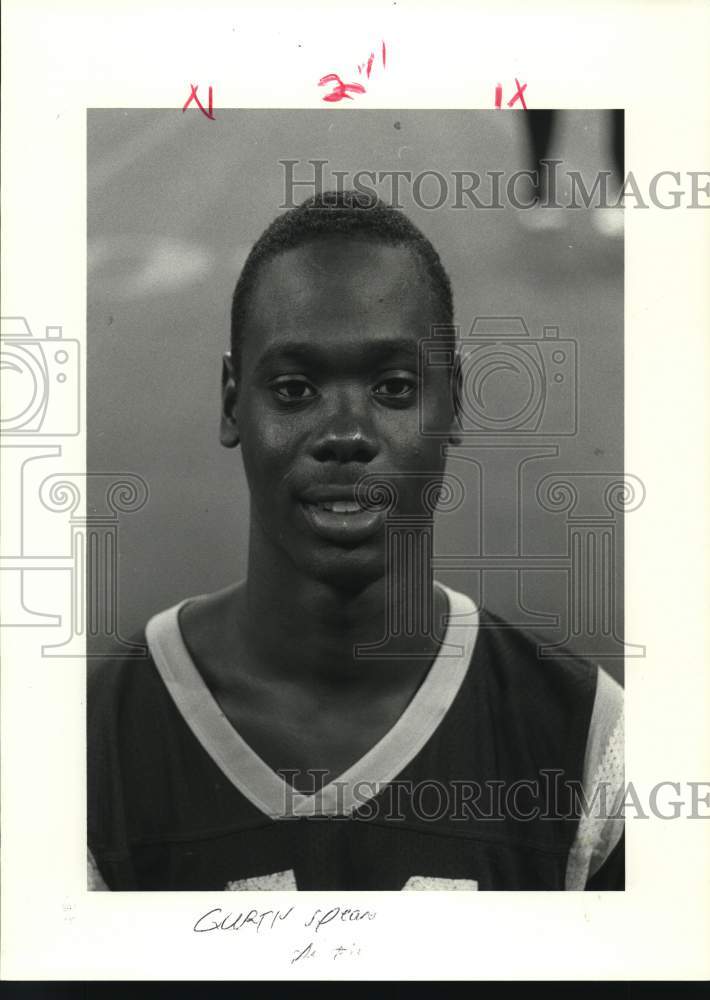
(337, 506)
(342, 521)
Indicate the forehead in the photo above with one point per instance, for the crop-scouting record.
(339, 290)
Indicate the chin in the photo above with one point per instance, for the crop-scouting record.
(347, 570)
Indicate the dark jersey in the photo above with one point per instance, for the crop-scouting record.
(485, 781)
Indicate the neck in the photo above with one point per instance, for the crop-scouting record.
(313, 627)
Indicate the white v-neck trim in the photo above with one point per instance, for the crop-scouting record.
(263, 786)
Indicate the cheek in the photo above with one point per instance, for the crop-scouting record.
(436, 403)
(269, 443)
(259, 430)
(418, 434)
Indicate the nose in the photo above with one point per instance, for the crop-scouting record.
(346, 435)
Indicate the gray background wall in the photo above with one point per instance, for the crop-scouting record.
(174, 203)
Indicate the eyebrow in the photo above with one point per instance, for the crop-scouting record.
(313, 355)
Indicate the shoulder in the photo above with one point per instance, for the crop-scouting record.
(135, 736)
(133, 692)
(550, 692)
(547, 707)
(121, 681)
(209, 626)
(520, 660)
(596, 860)
(122, 695)
(128, 702)
(127, 712)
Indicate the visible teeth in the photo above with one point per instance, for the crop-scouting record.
(342, 506)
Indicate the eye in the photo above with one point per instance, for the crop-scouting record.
(396, 387)
(293, 390)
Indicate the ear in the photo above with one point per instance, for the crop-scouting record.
(228, 431)
(456, 393)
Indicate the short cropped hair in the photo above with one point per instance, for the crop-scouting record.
(333, 212)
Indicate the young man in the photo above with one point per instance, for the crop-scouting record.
(339, 720)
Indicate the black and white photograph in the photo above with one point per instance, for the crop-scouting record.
(353, 440)
(363, 374)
